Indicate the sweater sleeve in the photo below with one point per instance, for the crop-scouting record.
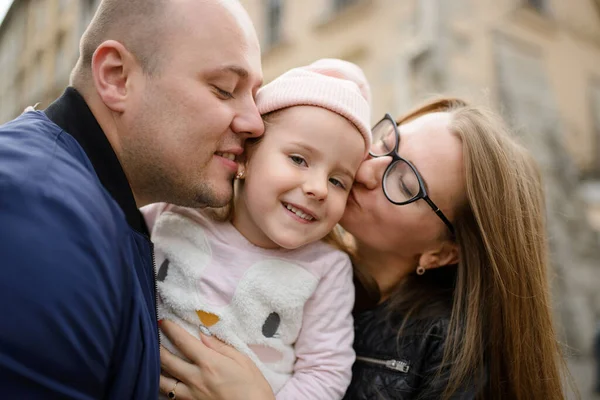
(63, 291)
(324, 347)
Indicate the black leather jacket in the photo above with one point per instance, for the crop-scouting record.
(391, 367)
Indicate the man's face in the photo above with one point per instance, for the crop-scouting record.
(185, 127)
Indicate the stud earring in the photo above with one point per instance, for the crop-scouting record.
(420, 270)
(241, 174)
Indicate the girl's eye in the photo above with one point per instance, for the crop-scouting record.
(337, 183)
(298, 160)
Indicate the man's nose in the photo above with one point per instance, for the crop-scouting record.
(370, 173)
(248, 121)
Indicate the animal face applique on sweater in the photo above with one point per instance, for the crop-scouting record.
(250, 301)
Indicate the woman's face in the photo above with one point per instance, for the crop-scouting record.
(409, 230)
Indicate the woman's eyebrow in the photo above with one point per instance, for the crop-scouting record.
(409, 160)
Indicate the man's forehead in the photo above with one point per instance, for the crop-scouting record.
(222, 31)
(246, 26)
(228, 13)
(241, 17)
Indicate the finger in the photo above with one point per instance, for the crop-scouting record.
(189, 346)
(220, 347)
(167, 384)
(226, 350)
(175, 366)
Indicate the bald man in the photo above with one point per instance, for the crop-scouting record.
(160, 104)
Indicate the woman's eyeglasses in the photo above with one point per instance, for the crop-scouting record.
(402, 183)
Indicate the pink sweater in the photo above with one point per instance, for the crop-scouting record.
(288, 310)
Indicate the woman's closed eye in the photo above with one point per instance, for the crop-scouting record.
(298, 160)
(405, 188)
(387, 144)
(383, 145)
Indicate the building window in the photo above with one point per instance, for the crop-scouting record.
(594, 96)
(338, 5)
(40, 16)
(37, 78)
(540, 6)
(273, 34)
(87, 9)
(61, 62)
(424, 77)
(63, 4)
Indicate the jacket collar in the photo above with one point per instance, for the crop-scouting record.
(72, 114)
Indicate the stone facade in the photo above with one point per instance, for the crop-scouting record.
(529, 101)
(39, 45)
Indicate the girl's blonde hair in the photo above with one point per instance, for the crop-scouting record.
(498, 295)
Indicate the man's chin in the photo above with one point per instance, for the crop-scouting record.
(215, 197)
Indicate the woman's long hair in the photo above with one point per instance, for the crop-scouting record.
(500, 315)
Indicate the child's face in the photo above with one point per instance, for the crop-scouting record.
(298, 178)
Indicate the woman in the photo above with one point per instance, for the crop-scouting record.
(449, 245)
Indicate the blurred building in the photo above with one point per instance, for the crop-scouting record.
(39, 45)
(537, 61)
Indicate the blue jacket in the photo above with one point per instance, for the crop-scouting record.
(77, 282)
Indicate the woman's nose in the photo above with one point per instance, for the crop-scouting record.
(370, 172)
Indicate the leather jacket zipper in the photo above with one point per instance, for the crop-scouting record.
(400, 366)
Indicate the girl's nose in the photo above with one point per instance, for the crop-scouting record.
(316, 188)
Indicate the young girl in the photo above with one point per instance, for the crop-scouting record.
(264, 281)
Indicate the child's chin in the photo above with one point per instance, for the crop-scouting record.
(290, 243)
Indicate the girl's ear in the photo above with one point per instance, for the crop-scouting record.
(241, 172)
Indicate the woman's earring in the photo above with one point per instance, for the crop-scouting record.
(420, 270)
(241, 174)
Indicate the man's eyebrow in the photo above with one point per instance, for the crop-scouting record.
(241, 72)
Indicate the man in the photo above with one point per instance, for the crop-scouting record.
(162, 99)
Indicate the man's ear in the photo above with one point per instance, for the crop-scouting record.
(112, 65)
(445, 254)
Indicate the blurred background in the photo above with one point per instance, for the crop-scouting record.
(535, 61)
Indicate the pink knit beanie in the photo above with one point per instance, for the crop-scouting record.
(337, 85)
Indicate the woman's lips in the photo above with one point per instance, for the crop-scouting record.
(352, 198)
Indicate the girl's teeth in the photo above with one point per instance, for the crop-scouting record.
(299, 213)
